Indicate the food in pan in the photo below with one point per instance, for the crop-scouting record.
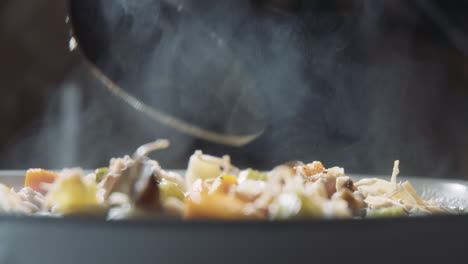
(212, 188)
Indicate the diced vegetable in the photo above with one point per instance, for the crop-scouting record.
(216, 206)
(71, 194)
(36, 177)
(393, 211)
(169, 189)
(309, 208)
(313, 168)
(101, 173)
(223, 183)
(200, 204)
(294, 206)
(200, 168)
(250, 174)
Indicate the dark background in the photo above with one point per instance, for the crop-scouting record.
(395, 89)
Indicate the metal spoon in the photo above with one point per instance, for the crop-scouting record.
(158, 58)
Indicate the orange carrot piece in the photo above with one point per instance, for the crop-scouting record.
(223, 183)
(215, 206)
(36, 177)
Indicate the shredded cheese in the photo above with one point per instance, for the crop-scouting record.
(395, 172)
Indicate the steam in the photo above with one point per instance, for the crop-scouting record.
(347, 87)
(69, 120)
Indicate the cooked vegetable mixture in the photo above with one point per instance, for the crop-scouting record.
(212, 188)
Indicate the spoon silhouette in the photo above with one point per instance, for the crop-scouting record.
(164, 62)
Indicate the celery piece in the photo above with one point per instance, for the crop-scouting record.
(289, 206)
(393, 211)
(170, 189)
(101, 173)
(256, 175)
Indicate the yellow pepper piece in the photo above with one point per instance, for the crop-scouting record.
(72, 194)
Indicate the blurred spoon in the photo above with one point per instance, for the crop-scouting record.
(161, 60)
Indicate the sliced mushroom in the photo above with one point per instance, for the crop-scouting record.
(348, 196)
(345, 182)
(145, 192)
(118, 173)
(136, 177)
